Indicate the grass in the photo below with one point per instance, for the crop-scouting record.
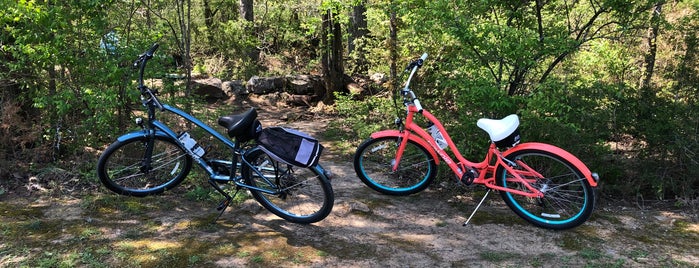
(495, 256)
(125, 232)
(177, 230)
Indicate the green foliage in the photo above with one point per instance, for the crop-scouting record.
(571, 70)
(364, 116)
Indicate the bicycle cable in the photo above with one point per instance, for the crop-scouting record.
(397, 88)
(395, 96)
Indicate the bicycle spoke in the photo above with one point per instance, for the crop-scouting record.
(296, 194)
(567, 197)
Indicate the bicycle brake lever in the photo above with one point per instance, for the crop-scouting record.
(412, 64)
(398, 121)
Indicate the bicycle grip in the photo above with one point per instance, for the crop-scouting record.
(424, 56)
(152, 50)
(417, 105)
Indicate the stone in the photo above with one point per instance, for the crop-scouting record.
(265, 85)
(210, 88)
(234, 88)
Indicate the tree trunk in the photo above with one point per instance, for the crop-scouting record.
(208, 21)
(687, 74)
(184, 18)
(393, 47)
(246, 10)
(649, 60)
(333, 70)
(357, 31)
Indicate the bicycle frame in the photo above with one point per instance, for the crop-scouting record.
(543, 184)
(414, 132)
(158, 156)
(482, 172)
(158, 128)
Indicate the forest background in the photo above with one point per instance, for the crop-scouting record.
(614, 82)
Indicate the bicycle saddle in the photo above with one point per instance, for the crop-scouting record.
(499, 129)
(241, 126)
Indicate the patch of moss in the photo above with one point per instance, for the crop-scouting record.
(498, 256)
(602, 216)
(17, 211)
(498, 217)
(572, 241)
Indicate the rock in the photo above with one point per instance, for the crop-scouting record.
(265, 85)
(360, 207)
(234, 88)
(211, 88)
(378, 78)
(299, 100)
(355, 88)
(304, 84)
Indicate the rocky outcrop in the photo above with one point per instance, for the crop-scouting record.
(297, 89)
(210, 88)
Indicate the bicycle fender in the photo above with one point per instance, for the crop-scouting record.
(558, 151)
(415, 138)
(140, 133)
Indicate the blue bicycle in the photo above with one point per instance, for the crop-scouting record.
(155, 159)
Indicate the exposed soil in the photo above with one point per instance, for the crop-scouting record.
(49, 225)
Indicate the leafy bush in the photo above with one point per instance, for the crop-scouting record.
(361, 117)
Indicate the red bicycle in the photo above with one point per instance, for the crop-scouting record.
(545, 185)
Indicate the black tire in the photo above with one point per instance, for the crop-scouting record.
(373, 163)
(299, 195)
(568, 197)
(121, 167)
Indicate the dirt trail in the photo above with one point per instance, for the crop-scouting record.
(365, 229)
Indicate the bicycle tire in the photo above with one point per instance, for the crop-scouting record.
(568, 198)
(301, 195)
(373, 162)
(120, 167)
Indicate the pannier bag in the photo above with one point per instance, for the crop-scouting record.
(290, 146)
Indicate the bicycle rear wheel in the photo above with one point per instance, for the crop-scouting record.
(374, 159)
(123, 168)
(568, 198)
(298, 195)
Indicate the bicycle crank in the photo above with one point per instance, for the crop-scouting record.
(468, 177)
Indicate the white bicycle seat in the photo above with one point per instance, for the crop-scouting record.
(498, 129)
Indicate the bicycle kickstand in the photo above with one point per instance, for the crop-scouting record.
(477, 207)
(224, 204)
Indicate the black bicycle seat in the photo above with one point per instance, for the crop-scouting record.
(239, 125)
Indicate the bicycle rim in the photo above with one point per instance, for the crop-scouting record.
(568, 197)
(300, 195)
(374, 162)
(121, 168)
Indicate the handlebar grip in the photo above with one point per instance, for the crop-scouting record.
(417, 105)
(418, 62)
(152, 50)
(146, 55)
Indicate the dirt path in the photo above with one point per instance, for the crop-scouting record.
(365, 229)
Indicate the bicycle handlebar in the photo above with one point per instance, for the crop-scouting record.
(414, 65)
(146, 55)
(141, 62)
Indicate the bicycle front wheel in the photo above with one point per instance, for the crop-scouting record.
(568, 198)
(127, 168)
(298, 195)
(374, 160)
